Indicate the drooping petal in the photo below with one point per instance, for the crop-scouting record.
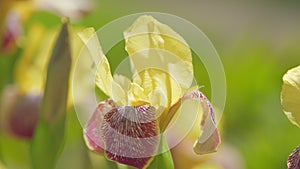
(209, 139)
(290, 95)
(93, 131)
(294, 159)
(131, 135)
(127, 134)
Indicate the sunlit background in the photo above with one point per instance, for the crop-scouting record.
(257, 41)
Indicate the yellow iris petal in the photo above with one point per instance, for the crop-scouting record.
(136, 95)
(290, 95)
(103, 79)
(161, 60)
(171, 51)
(123, 81)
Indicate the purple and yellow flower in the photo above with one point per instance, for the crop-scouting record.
(127, 126)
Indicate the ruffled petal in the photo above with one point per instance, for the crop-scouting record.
(290, 95)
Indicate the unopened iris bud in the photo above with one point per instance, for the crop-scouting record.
(20, 112)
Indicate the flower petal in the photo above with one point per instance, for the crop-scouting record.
(290, 95)
(93, 131)
(127, 134)
(131, 135)
(160, 58)
(153, 80)
(209, 139)
(294, 159)
(123, 81)
(103, 79)
(147, 33)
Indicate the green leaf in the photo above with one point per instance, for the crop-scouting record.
(73, 149)
(163, 160)
(49, 135)
(15, 152)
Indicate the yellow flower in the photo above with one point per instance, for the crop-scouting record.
(290, 95)
(127, 126)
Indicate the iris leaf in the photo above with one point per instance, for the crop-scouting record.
(49, 135)
(163, 160)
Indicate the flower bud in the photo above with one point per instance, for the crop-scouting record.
(19, 112)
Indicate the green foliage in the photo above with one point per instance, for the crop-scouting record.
(163, 160)
(49, 135)
(253, 120)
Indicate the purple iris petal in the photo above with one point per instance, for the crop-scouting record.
(294, 159)
(127, 134)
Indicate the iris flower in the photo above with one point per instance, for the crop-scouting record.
(290, 100)
(290, 95)
(127, 126)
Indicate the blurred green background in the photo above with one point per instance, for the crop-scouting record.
(257, 41)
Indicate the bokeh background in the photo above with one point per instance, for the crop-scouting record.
(257, 41)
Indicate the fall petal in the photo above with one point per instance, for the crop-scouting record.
(93, 131)
(294, 159)
(209, 140)
(127, 134)
(290, 95)
(130, 135)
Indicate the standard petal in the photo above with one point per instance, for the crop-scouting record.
(123, 81)
(152, 80)
(290, 95)
(103, 78)
(130, 135)
(155, 44)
